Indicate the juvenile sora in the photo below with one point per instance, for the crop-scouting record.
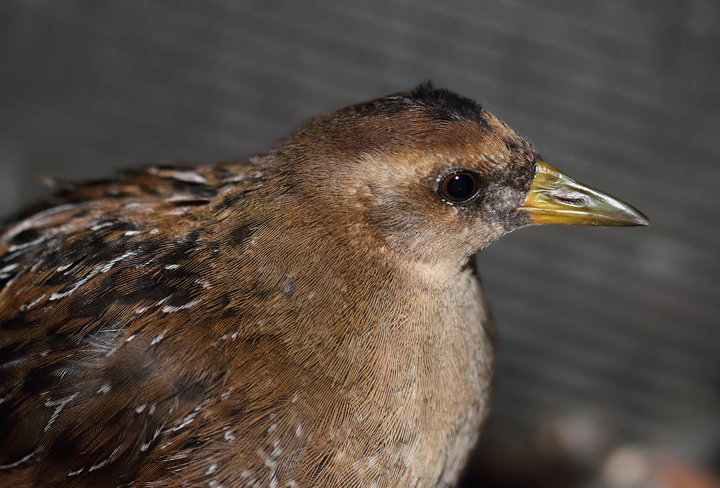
(309, 318)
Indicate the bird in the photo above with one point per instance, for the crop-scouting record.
(308, 317)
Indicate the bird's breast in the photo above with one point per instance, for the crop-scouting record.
(404, 380)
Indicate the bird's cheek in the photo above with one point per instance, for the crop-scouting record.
(517, 219)
(499, 206)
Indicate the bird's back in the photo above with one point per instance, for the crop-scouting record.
(92, 282)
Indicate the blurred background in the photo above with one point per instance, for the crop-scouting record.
(609, 363)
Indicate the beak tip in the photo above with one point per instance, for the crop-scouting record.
(628, 216)
(639, 219)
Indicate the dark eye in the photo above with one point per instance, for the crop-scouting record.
(459, 187)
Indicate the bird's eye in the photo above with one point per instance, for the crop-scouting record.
(459, 187)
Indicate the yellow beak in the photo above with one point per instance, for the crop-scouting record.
(555, 198)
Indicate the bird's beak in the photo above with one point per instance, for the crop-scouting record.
(555, 198)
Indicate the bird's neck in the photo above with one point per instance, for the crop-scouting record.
(387, 350)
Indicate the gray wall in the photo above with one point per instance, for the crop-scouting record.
(621, 94)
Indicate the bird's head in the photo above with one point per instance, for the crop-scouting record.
(434, 177)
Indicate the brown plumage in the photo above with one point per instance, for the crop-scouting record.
(307, 318)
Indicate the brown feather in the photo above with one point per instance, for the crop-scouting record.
(307, 318)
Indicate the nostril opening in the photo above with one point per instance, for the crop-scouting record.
(569, 199)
